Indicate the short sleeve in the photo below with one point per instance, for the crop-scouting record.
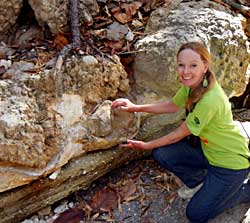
(181, 97)
(200, 117)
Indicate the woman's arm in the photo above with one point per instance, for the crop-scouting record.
(156, 108)
(181, 132)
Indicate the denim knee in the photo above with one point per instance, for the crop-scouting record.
(163, 157)
(195, 215)
(157, 154)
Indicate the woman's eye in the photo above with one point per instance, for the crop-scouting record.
(180, 65)
(194, 65)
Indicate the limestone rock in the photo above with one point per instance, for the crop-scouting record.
(40, 132)
(217, 27)
(21, 202)
(55, 13)
(9, 11)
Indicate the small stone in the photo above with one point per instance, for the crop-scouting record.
(71, 204)
(54, 175)
(116, 31)
(130, 36)
(89, 60)
(5, 63)
(27, 221)
(61, 208)
(45, 211)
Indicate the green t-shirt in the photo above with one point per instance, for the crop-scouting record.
(211, 120)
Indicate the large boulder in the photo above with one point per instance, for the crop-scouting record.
(155, 65)
(40, 131)
(214, 25)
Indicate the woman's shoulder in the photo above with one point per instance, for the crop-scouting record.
(215, 96)
(216, 92)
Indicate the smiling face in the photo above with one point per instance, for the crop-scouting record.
(191, 68)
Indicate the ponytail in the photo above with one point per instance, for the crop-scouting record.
(198, 92)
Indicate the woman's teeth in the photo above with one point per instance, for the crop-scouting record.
(187, 78)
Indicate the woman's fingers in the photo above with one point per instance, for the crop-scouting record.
(119, 103)
(134, 144)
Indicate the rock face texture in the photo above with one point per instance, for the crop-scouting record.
(51, 13)
(40, 131)
(77, 174)
(55, 13)
(9, 11)
(214, 25)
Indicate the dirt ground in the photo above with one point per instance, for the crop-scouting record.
(138, 192)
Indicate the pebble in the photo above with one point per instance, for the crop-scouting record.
(61, 208)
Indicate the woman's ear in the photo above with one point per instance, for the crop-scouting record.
(206, 67)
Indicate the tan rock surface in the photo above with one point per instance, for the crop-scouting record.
(40, 132)
(9, 11)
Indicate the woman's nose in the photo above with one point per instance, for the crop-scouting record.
(186, 70)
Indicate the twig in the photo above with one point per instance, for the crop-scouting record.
(105, 23)
(131, 52)
(74, 22)
(103, 54)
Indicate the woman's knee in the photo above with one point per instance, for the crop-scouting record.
(157, 154)
(195, 214)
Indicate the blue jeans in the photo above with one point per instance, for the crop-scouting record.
(222, 188)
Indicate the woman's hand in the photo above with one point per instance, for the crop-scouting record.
(135, 144)
(124, 104)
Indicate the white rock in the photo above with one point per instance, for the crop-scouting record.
(54, 175)
(89, 60)
(5, 63)
(61, 208)
(130, 36)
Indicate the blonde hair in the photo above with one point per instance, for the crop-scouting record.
(197, 93)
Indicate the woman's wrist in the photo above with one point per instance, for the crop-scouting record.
(149, 145)
(137, 108)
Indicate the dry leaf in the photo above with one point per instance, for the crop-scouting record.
(127, 190)
(73, 215)
(43, 58)
(104, 200)
(32, 71)
(122, 17)
(171, 197)
(115, 45)
(60, 41)
(131, 9)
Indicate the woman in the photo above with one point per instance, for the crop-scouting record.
(219, 163)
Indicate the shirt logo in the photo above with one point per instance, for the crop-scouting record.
(204, 140)
(196, 120)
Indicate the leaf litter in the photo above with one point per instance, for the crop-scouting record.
(140, 182)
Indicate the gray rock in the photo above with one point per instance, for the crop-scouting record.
(116, 31)
(217, 27)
